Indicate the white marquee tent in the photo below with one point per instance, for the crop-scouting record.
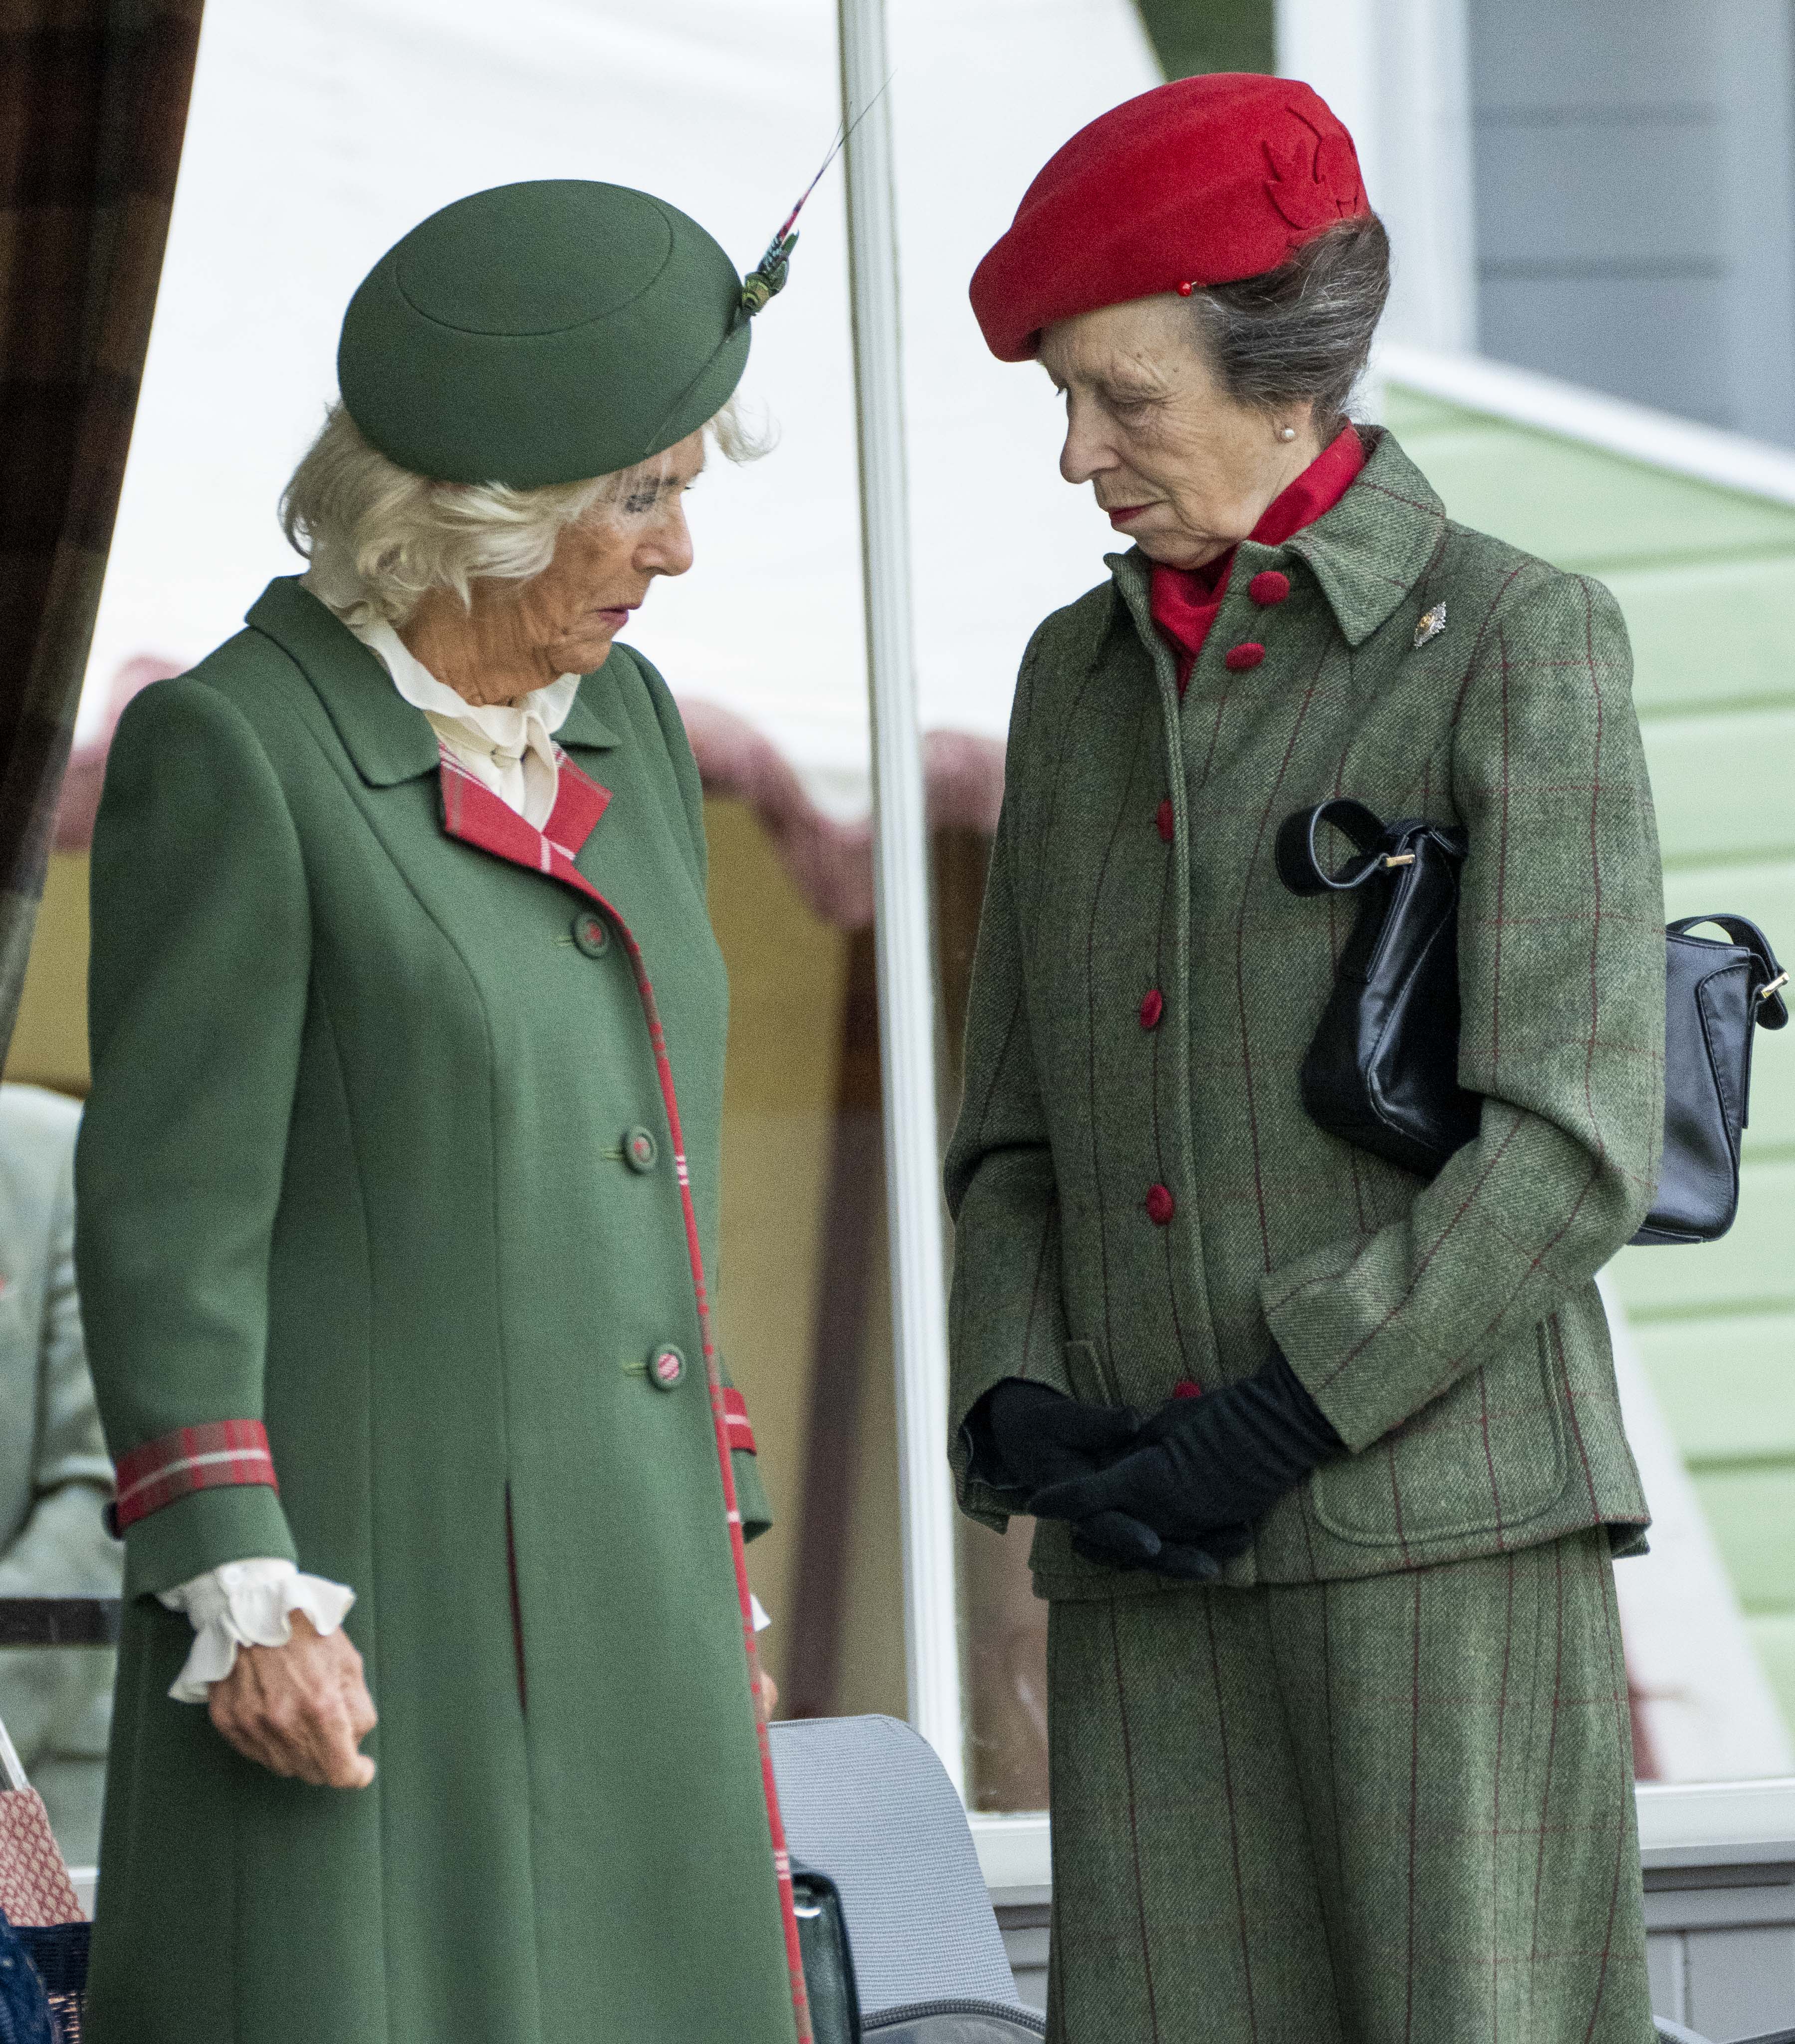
(322, 129)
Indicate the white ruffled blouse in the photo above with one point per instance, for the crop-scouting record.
(510, 748)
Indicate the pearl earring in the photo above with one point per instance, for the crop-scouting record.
(1286, 432)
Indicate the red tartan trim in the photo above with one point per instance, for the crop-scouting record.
(736, 1422)
(213, 1456)
(473, 813)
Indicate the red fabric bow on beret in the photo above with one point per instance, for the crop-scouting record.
(1203, 181)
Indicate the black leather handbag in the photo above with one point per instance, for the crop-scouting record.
(1382, 1071)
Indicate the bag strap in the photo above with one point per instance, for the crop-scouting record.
(1768, 977)
(12, 1767)
(1299, 863)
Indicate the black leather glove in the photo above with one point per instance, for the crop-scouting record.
(1203, 1468)
(1025, 1437)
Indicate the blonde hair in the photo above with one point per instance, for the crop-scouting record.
(404, 534)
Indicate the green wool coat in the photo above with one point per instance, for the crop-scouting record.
(362, 1160)
(1450, 1332)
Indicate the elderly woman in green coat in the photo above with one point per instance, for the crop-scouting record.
(398, 1197)
(1327, 1457)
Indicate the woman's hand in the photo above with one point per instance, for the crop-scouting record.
(300, 1710)
(769, 1698)
(1207, 1468)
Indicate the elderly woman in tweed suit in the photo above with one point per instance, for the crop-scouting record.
(1327, 1460)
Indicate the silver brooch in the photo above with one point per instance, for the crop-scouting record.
(1430, 625)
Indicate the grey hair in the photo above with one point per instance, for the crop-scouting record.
(1301, 332)
(403, 534)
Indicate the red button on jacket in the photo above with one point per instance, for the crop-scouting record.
(1160, 1206)
(1268, 587)
(1239, 659)
(1164, 819)
(1152, 1009)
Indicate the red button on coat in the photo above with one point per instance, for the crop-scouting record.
(1160, 1206)
(1163, 819)
(1152, 1009)
(1240, 658)
(1268, 586)
(1189, 1389)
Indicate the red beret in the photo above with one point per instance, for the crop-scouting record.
(1203, 181)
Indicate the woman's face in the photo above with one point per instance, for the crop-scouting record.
(1182, 469)
(514, 637)
(570, 613)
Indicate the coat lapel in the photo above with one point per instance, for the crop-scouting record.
(472, 813)
(1366, 553)
(389, 742)
(387, 739)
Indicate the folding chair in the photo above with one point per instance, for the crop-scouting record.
(867, 1803)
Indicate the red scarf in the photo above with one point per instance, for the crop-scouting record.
(1186, 601)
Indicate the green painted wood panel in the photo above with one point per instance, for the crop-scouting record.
(1771, 1131)
(1580, 508)
(1710, 634)
(1721, 784)
(1724, 1383)
(1752, 1512)
(1764, 889)
(1409, 413)
(1775, 1638)
(1754, 1263)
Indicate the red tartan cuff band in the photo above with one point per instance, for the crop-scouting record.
(736, 1424)
(220, 1453)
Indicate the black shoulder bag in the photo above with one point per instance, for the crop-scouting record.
(1382, 1070)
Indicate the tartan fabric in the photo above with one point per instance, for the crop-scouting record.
(1397, 1811)
(1450, 1332)
(220, 1452)
(92, 104)
(473, 812)
(34, 1884)
(737, 1425)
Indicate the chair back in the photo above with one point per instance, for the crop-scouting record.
(866, 1801)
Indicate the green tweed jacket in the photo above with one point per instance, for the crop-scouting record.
(1450, 1330)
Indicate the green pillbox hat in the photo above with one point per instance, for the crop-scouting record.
(542, 333)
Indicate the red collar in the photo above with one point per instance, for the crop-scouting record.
(473, 813)
(1186, 601)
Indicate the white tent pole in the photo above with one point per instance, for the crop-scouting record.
(907, 1010)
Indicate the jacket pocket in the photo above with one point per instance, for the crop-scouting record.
(1486, 1456)
(1087, 1376)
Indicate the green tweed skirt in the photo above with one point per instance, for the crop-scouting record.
(1393, 1810)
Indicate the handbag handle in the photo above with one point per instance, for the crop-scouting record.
(1299, 863)
(1769, 978)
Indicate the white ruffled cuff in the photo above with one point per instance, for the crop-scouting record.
(246, 1604)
